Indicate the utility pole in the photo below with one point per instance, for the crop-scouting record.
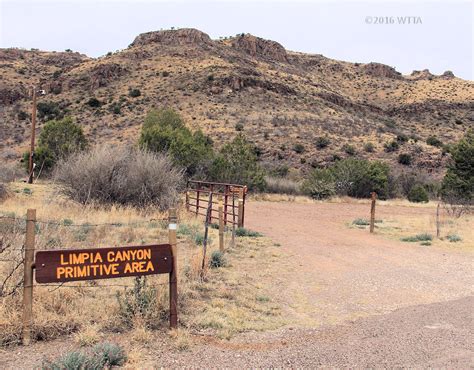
(33, 131)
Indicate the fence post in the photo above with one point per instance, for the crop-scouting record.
(174, 273)
(233, 220)
(198, 197)
(28, 276)
(372, 211)
(438, 224)
(241, 208)
(221, 224)
(226, 201)
(187, 200)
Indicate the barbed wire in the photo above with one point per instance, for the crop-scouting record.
(67, 224)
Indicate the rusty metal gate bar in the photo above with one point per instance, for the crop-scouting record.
(199, 192)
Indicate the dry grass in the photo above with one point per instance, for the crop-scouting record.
(222, 304)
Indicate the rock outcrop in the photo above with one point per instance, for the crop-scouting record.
(258, 47)
(381, 70)
(185, 36)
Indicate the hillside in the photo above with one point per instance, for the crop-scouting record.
(280, 98)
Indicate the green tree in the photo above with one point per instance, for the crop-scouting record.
(164, 131)
(58, 139)
(458, 183)
(237, 163)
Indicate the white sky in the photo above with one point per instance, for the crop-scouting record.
(442, 41)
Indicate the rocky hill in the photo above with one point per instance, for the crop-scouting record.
(282, 100)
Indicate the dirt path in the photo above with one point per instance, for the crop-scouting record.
(338, 273)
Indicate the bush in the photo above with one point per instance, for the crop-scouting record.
(49, 111)
(217, 259)
(109, 175)
(58, 139)
(434, 141)
(369, 147)
(103, 355)
(418, 238)
(237, 163)
(349, 149)
(458, 183)
(418, 194)
(391, 146)
(322, 142)
(241, 231)
(352, 177)
(320, 184)
(134, 93)
(164, 131)
(454, 238)
(298, 148)
(406, 180)
(361, 222)
(239, 127)
(404, 159)
(94, 103)
(279, 185)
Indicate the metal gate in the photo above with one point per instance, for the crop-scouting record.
(203, 198)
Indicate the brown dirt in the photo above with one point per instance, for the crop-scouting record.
(350, 299)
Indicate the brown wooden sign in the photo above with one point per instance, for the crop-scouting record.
(102, 263)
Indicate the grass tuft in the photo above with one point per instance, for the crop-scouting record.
(454, 238)
(241, 231)
(417, 238)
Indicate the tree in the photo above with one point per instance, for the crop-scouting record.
(58, 139)
(458, 183)
(237, 163)
(164, 131)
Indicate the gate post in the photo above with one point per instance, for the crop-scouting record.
(221, 225)
(28, 276)
(174, 273)
(240, 222)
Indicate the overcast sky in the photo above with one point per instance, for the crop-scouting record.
(438, 36)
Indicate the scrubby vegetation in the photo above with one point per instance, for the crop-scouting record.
(164, 131)
(458, 184)
(58, 140)
(120, 175)
(352, 177)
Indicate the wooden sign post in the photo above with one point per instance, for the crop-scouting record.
(28, 276)
(174, 271)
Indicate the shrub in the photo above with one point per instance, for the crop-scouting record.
(322, 142)
(361, 222)
(434, 141)
(349, 149)
(237, 163)
(94, 103)
(241, 231)
(58, 139)
(319, 184)
(134, 93)
(10, 172)
(217, 259)
(369, 147)
(458, 183)
(352, 177)
(137, 302)
(22, 115)
(402, 138)
(418, 194)
(454, 238)
(298, 148)
(418, 238)
(103, 355)
(405, 159)
(406, 180)
(279, 185)
(164, 131)
(391, 146)
(120, 175)
(49, 110)
(239, 127)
